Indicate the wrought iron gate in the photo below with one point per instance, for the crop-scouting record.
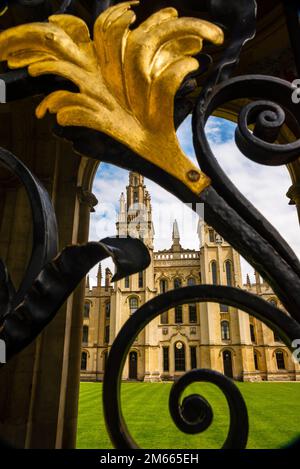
(119, 97)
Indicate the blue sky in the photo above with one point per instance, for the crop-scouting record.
(264, 186)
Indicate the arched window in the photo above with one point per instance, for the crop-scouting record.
(225, 330)
(86, 310)
(85, 334)
(193, 352)
(84, 360)
(179, 352)
(280, 360)
(191, 281)
(163, 285)
(135, 196)
(228, 269)
(106, 334)
(193, 313)
(165, 358)
(252, 333)
(177, 282)
(133, 305)
(256, 365)
(178, 314)
(141, 279)
(107, 310)
(214, 274)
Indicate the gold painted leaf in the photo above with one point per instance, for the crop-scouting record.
(127, 78)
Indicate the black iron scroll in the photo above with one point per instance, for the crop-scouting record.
(50, 277)
(194, 415)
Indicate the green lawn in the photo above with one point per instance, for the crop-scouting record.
(274, 410)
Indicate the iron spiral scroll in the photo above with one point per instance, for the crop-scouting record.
(51, 276)
(194, 414)
(50, 279)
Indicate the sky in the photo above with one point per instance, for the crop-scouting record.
(264, 186)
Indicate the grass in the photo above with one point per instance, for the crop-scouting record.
(273, 409)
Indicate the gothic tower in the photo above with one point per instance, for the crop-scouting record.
(135, 220)
(135, 212)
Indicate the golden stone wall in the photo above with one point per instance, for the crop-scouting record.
(233, 355)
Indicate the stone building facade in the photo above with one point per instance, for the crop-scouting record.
(206, 335)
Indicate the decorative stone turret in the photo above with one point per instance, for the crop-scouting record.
(122, 212)
(257, 281)
(135, 213)
(108, 277)
(176, 246)
(248, 281)
(99, 275)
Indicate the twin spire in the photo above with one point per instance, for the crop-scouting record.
(176, 246)
(175, 235)
(136, 191)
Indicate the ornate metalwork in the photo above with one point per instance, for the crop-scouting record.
(194, 415)
(131, 98)
(125, 81)
(58, 279)
(44, 230)
(49, 280)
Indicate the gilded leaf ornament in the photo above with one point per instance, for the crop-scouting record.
(127, 78)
